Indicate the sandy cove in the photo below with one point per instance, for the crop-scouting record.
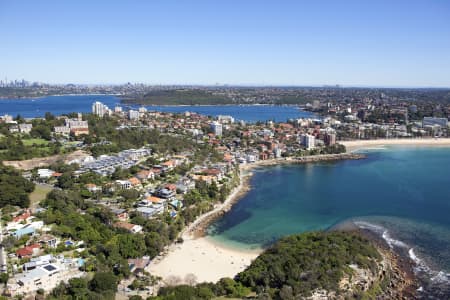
(418, 142)
(204, 259)
(199, 257)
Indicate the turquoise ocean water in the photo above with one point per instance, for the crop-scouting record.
(402, 193)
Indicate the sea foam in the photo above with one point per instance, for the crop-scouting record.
(439, 277)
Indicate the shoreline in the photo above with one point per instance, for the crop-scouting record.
(304, 160)
(197, 228)
(403, 280)
(206, 260)
(355, 145)
(198, 257)
(54, 95)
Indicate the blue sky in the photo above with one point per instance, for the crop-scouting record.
(357, 43)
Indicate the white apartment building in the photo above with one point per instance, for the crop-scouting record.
(307, 140)
(100, 109)
(217, 128)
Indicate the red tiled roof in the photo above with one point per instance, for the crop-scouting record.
(124, 225)
(134, 181)
(171, 187)
(27, 251)
(22, 217)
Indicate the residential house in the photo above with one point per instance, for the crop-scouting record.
(156, 200)
(120, 214)
(214, 173)
(93, 188)
(123, 184)
(133, 228)
(169, 165)
(43, 276)
(145, 175)
(24, 217)
(138, 265)
(176, 203)
(25, 128)
(171, 187)
(28, 251)
(165, 193)
(135, 183)
(48, 241)
(14, 128)
(157, 170)
(37, 262)
(144, 203)
(149, 212)
(45, 173)
(23, 231)
(206, 178)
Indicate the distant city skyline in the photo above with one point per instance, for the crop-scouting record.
(28, 83)
(237, 43)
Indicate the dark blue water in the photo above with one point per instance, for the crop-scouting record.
(58, 105)
(404, 191)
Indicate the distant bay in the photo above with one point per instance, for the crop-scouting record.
(57, 105)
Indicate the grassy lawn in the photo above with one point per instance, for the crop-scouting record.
(30, 142)
(39, 194)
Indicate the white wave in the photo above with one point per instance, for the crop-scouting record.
(384, 233)
(435, 276)
(413, 256)
(393, 242)
(370, 226)
(441, 277)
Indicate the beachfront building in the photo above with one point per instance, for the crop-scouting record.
(308, 141)
(431, 121)
(330, 139)
(44, 274)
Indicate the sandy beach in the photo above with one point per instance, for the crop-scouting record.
(425, 142)
(199, 258)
